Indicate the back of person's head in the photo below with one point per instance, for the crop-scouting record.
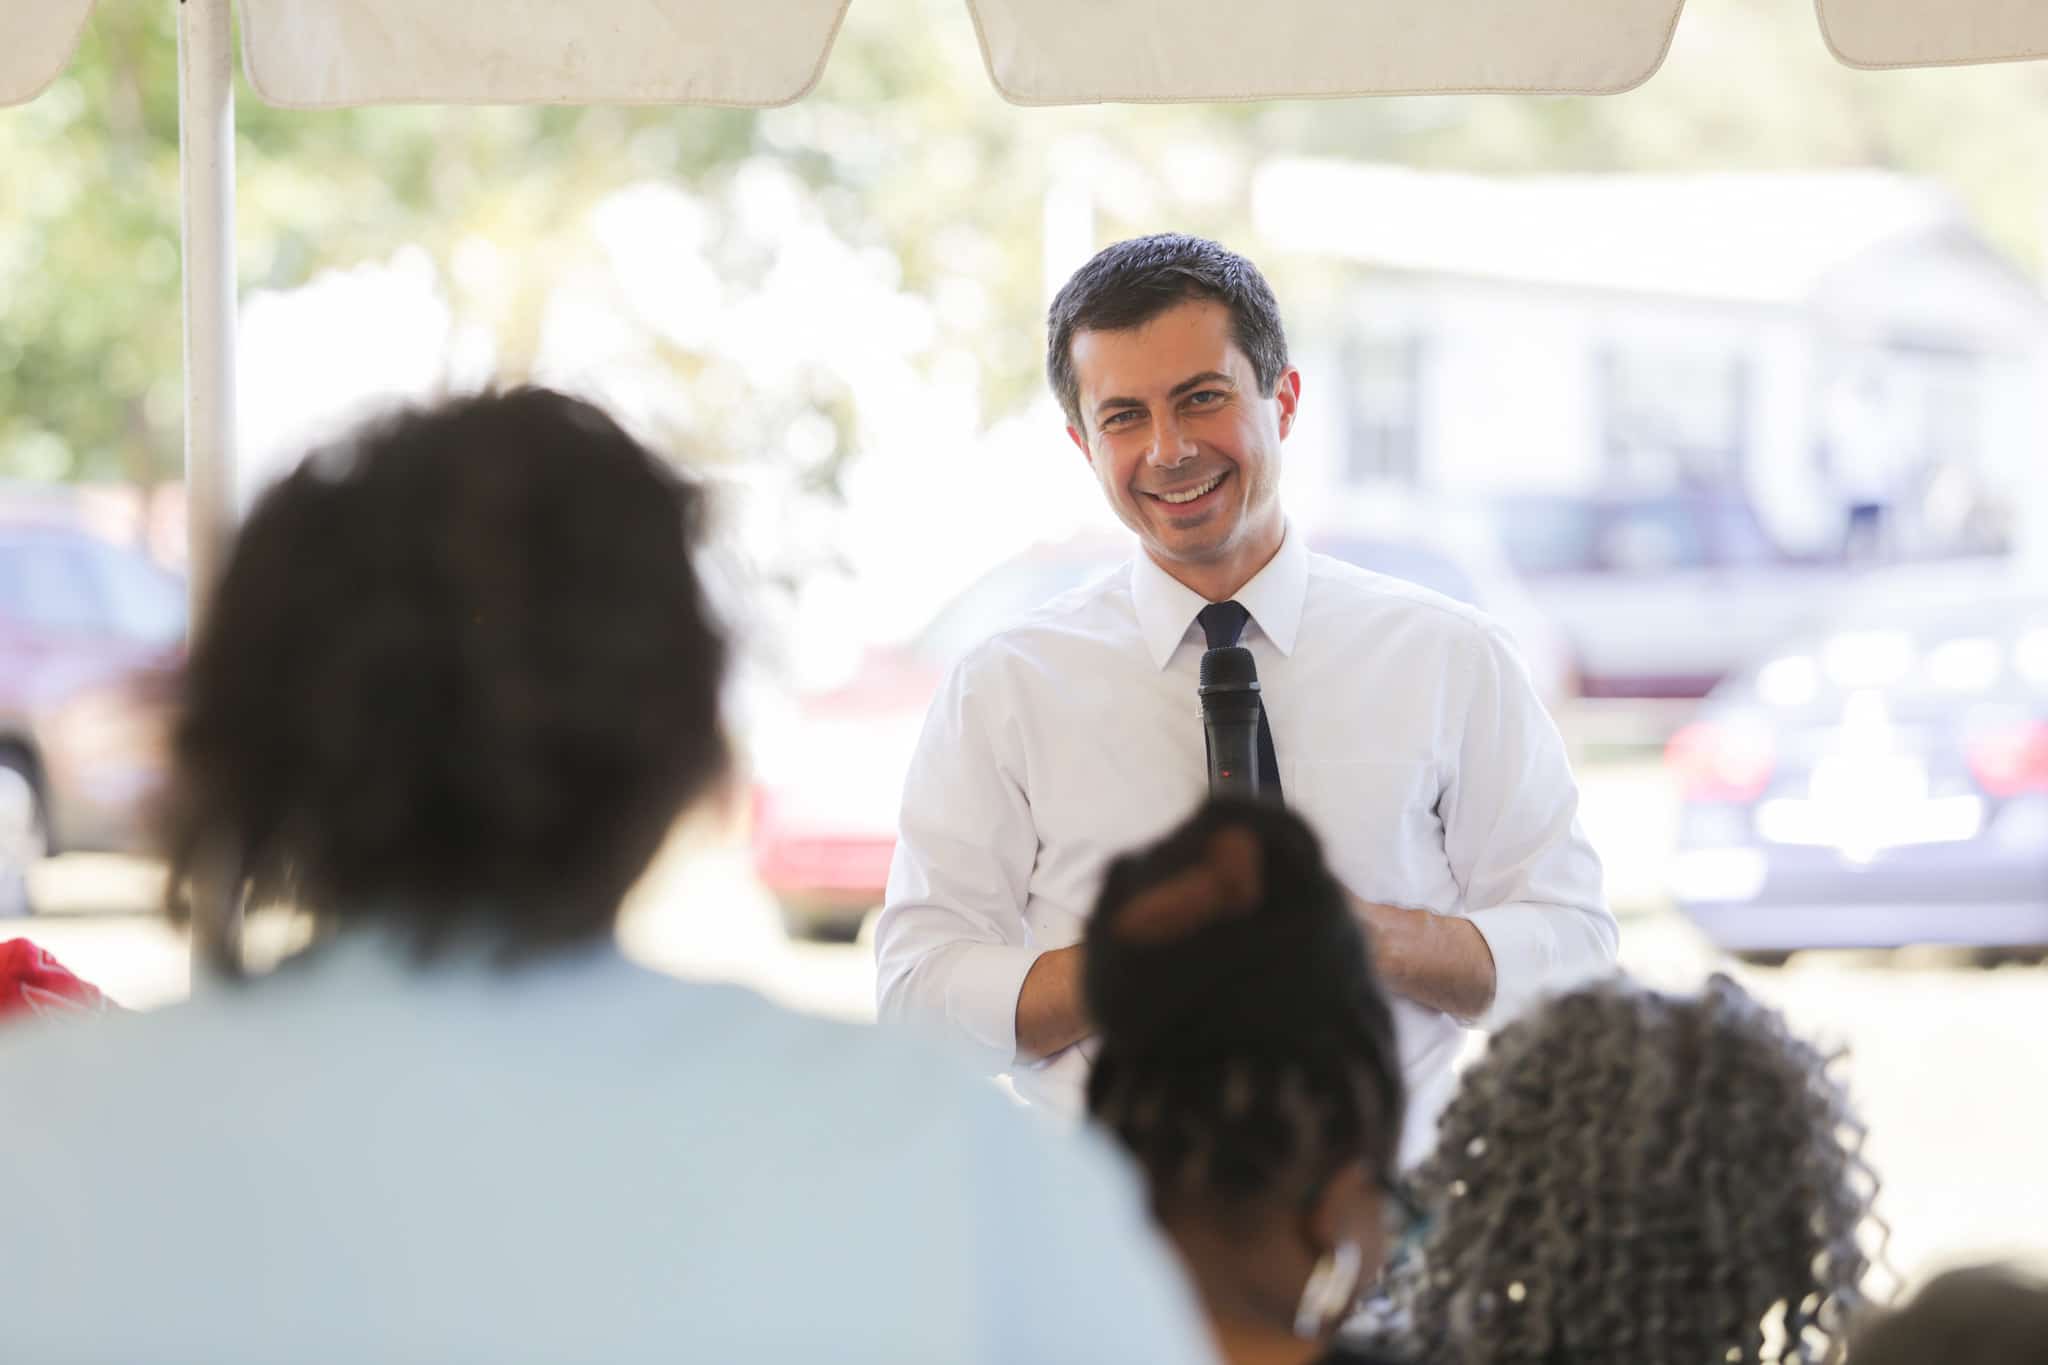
(1132, 282)
(458, 676)
(1247, 1055)
(1984, 1315)
(1628, 1176)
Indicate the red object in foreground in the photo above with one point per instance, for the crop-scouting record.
(33, 982)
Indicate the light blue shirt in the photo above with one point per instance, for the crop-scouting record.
(362, 1160)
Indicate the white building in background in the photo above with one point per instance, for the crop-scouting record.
(1809, 341)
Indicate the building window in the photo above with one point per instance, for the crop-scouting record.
(1902, 438)
(1674, 418)
(1383, 438)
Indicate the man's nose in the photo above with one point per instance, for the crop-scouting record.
(1171, 444)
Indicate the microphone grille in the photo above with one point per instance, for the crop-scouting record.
(1230, 666)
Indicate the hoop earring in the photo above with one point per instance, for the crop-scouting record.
(1331, 1289)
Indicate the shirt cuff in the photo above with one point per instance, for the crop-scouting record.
(1529, 963)
(983, 982)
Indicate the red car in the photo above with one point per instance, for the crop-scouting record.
(90, 635)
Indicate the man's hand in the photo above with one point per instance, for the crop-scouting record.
(1050, 1014)
(1440, 961)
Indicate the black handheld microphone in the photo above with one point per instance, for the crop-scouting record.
(1230, 720)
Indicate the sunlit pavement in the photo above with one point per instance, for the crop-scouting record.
(1947, 1061)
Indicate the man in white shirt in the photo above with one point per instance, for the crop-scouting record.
(1403, 725)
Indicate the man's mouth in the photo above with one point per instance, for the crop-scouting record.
(1189, 496)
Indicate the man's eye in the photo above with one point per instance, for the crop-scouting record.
(1203, 398)
(1119, 419)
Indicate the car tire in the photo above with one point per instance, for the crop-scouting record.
(24, 831)
(1991, 959)
(813, 921)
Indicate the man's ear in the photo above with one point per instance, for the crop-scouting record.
(1287, 393)
(1081, 443)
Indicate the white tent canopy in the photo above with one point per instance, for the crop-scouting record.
(1901, 33)
(36, 42)
(323, 54)
(317, 54)
(1081, 51)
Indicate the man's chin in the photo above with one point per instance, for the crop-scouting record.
(1171, 549)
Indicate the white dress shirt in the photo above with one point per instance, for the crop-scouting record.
(1408, 734)
(361, 1160)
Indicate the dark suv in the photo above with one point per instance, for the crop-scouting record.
(90, 635)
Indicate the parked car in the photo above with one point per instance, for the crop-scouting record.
(90, 633)
(1663, 595)
(1881, 782)
(824, 810)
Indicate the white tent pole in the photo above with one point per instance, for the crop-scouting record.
(206, 147)
(206, 138)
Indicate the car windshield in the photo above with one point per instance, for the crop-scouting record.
(999, 599)
(1417, 564)
(1739, 537)
(147, 604)
(1544, 535)
(1655, 534)
(46, 582)
(1929, 647)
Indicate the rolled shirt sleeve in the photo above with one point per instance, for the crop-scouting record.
(1531, 879)
(951, 951)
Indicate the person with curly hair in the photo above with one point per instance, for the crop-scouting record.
(1249, 1064)
(1634, 1178)
(457, 683)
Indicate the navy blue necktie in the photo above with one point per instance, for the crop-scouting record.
(1222, 624)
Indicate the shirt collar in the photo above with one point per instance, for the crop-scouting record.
(1167, 607)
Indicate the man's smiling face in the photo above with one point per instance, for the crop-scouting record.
(1185, 446)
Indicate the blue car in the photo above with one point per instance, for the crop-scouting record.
(1880, 783)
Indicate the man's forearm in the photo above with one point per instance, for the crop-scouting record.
(1440, 961)
(1050, 1013)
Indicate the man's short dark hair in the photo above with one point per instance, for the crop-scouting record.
(459, 674)
(1133, 282)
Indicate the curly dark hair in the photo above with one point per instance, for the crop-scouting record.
(1635, 1177)
(459, 673)
(1129, 284)
(1247, 1048)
